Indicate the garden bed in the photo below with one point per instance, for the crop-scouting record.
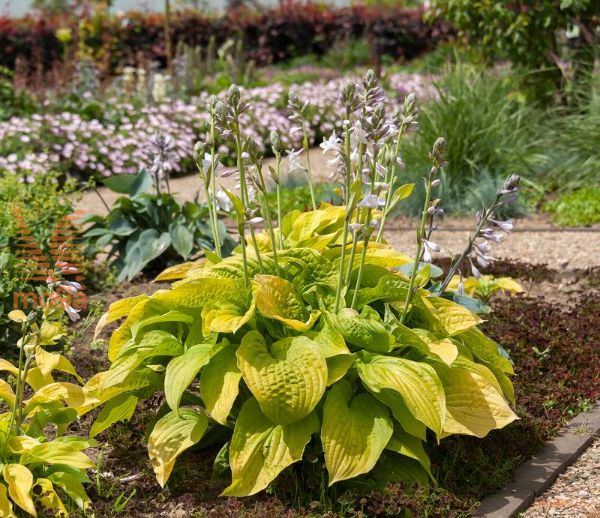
(553, 343)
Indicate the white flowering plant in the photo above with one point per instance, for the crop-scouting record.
(316, 341)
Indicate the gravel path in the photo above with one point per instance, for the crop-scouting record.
(535, 239)
(576, 493)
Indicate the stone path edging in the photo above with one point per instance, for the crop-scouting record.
(534, 477)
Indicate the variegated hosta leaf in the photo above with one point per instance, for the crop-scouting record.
(288, 380)
(182, 370)
(415, 383)
(276, 298)
(225, 304)
(123, 333)
(20, 482)
(260, 450)
(307, 224)
(474, 406)
(48, 362)
(365, 331)
(220, 383)
(56, 452)
(73, 395)
(72, 484)
(355, 431)
(7, 394)
(171, 435)
(179, 271)
(453, 317)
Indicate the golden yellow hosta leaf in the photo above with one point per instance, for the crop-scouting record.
(276, 298)
(49, 499)
(355, 431)
(73, 395)
(179, 271)
(6, 366)
(171, 435)
(474, 406)
(20, 482)
(47, 362)
(260, 450)
(7, 394)
(6, 507)
(117, 310)
(453, 317)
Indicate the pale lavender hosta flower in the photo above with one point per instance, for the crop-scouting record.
(371, 201)
(293, 160)
(428, 248)
(355, 228)
(223, 201)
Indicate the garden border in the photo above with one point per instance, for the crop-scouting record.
(534, 477)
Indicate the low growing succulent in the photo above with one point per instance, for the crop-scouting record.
(314, 332)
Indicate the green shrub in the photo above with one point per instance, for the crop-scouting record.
(490, 131)
(581, 207)
(13, 102)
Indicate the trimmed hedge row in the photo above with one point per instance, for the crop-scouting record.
(278, 34)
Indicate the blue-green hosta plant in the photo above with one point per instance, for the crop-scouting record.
(315, 332)
(146, 229)
(41, 466)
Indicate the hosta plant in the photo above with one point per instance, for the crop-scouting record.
(146, 229)
(315, 335)
(43, 468)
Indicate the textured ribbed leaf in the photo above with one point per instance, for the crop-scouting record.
(366, 330)
(276, 298)
(474, 405)
(260, 450)
(389, 287)
(182, 370)
(415, 383)
(171, 435)
(355, 431)
(72, 486)
(220, 384)
(117, 310)
(288, 380)
(485, 349)
(57, 453)
(338, 356)
(442, 348)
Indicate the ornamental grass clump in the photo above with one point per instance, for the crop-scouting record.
(314, 332)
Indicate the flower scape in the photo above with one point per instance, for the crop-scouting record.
(315, 341)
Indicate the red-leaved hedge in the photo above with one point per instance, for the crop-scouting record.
(278, 34)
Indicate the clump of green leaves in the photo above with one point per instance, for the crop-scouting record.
(580, 207)
(41, 464)
(315, 338)
(149, 230)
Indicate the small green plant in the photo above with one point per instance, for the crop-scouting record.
(13, 102)
(484, 286)
(151, 230)
(581, 207)
(315, 341)
(41, 465)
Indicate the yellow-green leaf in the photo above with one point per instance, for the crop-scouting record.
(47, 362)
(173, 434)
(6, 507)
(49, 499)
(73, 395)
(5, 365)
(16, 315)
(7, 394)
(179, 271)
(117, 310)
(288, 380)
(120, 408)
(20, 482)
(338, 356)
(453, 317)
(474, 406)
(57, 453)
(276, 298)
(415, 383)
(364, 330)
(401, 193)
(72, 486)
(355, 431)
(260, 450)
(443, 348)
(182, 370)
(220, 384)
(410, 446)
